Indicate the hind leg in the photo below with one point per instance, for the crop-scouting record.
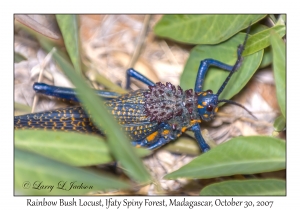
(138, 76)
(67, 93)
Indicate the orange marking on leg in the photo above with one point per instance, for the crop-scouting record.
(183, 129)
(165, 132)
(216, 109)
(152, 136)
(195, 121)
(204, 103)
(200, 107)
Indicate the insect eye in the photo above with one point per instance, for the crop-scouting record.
(209, 108)
(209, 91)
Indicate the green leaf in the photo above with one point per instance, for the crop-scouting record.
(278, 51)
(203, 29)
(183, 145)
(68, 147)
(253, 187)
(225, 52)
(72, 148)
(272, 18)
(282, 18)
(261, 39)
(255, 28)
(33, 171)
(118, 142)
(18, 57)
(267, 58)
(68, 25)
(22, 107)
(241, 155)
(279, 124)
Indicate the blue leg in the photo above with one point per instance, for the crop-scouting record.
(67, 93)
(236, 65)
(163, 135)
(134, 74)
(159, 142)
(203, 145)
(204, 65)
(70, 93)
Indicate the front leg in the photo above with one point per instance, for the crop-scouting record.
(203, 145)
(204, 65)
(163, 135)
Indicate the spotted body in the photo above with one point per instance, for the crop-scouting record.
(149, 117)
(67, 119)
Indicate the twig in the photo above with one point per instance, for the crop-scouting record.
(140, 42)
(165, 47)
(45, 62)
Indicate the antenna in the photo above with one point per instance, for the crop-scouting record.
(237, 104)
(234, 68)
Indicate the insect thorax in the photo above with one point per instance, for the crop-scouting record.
(165, 103)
